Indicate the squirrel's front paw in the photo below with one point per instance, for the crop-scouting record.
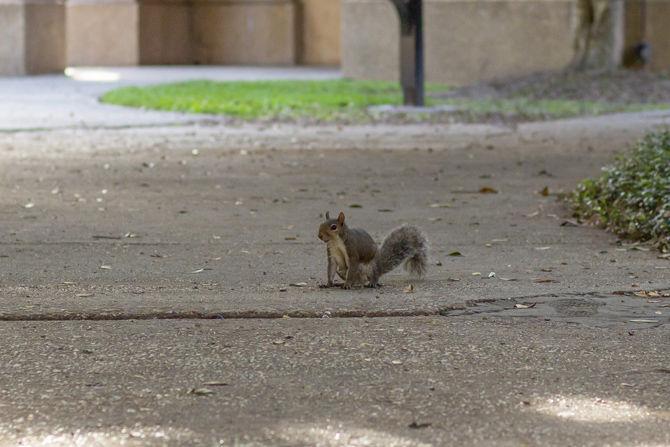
(326, 286)
(346, 286)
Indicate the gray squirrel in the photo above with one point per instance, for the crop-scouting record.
(354, 256)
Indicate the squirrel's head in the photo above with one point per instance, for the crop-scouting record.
(331, 228)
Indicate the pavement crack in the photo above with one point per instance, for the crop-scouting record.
(465, 308)
(224, 315)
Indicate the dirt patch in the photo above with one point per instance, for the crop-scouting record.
(620, 87)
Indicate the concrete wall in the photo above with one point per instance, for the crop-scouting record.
(658, 34)
(130, 32)
(12, 42)
(32, 36)
(45, 36)
(319, 33)
(102, 32)
(244, 31)
(465, 40)
(266, 31)
(166, 31)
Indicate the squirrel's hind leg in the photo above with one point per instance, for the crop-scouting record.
(355, 275)
(368, 277)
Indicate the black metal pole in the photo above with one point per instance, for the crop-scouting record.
(410, 13)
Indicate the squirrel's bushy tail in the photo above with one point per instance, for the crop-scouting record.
(404, 243)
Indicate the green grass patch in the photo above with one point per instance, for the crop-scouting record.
(322, 100)
(632, 196)
(340, 100)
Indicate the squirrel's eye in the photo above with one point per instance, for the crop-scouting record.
(333, 227)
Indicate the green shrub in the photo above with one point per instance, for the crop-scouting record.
(632, 197)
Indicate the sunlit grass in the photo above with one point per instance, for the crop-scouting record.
(325, 100)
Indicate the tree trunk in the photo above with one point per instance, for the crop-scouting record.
(598, 41)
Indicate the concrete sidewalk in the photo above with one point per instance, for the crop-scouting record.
(396, 382)
(214, 227)
(222, 230)
(71, 100)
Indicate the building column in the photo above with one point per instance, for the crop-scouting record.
(318, 32)
(102, 32)
(244, 31)
(32, 37)
(166, 32)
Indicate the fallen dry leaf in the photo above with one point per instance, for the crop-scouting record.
(488, 190)
(569, 223)
(201, 391)
(545, 191)
(409, 289)
(525, 306)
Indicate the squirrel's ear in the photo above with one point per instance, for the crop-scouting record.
(327, 215)
(340, 218)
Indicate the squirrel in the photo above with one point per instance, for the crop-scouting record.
(354, 256)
